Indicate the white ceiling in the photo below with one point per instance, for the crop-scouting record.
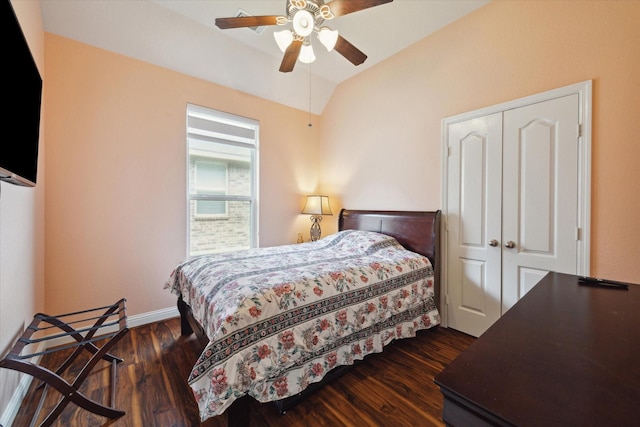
(181, 35)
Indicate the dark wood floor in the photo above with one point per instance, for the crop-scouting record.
(395, 388)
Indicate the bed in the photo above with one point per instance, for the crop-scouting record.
(278, 322)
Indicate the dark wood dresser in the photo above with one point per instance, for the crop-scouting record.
(564, 355)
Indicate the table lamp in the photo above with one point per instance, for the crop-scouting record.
(316, 206)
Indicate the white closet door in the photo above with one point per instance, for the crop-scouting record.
(512, 207)
(474, 223)
(540, 194)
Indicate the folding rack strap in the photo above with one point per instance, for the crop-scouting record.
(69, 391)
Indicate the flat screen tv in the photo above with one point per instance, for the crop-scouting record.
(22, 98)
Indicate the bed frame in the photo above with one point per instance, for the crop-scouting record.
(418, 231)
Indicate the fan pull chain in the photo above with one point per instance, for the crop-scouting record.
(309, 124)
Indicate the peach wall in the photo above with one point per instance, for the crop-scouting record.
(381, 140)
(116, 174)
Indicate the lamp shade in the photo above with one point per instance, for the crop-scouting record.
(317, 205)
(328, 37)
(306, 54)
(283, 39)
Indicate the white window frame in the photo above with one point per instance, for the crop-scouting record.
(249, 143)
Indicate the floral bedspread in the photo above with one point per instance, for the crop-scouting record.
(279, 318)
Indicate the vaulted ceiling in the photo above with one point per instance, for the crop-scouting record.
(181, 35)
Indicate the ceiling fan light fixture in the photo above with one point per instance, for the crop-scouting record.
(328, 37)
(306, 54)
(283, 39)
(303, 22)
(303, 18)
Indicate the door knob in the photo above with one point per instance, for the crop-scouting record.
(510, 244)
(493, 242)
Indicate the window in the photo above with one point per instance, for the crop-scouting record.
(222, 179)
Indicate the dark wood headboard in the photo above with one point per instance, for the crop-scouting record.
(418, 231)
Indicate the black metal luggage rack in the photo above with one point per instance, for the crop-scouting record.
(85, 337)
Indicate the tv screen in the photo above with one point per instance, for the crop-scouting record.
(21, 98)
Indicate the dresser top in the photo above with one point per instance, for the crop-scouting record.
(565, 354)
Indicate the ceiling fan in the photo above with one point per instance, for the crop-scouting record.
(307, 16)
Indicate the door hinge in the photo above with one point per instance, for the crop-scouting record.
(579, 130)
(578, 233)
(448, 151)
(446, 299)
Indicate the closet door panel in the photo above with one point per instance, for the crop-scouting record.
(535, 187)
(540, 193)
(474, 220)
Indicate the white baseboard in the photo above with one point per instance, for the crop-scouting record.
(20, 392)
(152, 316)
(13, 407)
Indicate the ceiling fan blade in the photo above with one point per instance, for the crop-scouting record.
(247, 21)
(344, 7)
(291, 56)
(349, 51)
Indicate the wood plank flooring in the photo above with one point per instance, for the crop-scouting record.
(394, 388)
